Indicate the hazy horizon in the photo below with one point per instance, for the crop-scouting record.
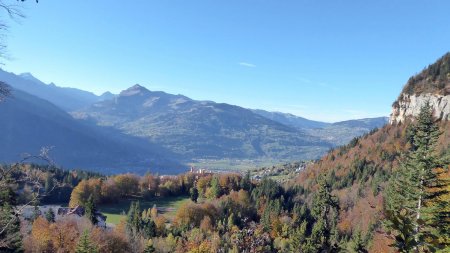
(319, 60)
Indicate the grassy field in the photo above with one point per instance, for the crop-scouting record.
(167, 206)
(233, 165)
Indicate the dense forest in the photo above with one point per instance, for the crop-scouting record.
(386, 191)
(394, 198)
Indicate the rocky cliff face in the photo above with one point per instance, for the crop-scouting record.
(431, 85)
(409, 106)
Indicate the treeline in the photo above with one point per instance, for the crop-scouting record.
(53, 184)
(381, 172)
(258, 217)
(363, 205)
(433, 78)
(124, 186)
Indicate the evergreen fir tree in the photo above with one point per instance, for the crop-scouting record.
(10, 238)
(50, 215)
(324, 211)
(413, 198)
(91, 210)
(193, 194)
(246, 182)
(85, 245)
(48, 183)
(134, 218)
(357, 245)
(148, 227)
(298, 237)
(215, 187)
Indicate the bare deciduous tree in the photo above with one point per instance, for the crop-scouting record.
(33, 178)
(14, 11)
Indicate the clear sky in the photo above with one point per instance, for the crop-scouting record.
(324, 60)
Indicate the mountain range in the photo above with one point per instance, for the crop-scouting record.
(139, 128)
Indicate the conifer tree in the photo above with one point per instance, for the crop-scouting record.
(246, 182)
(90, 210)
(49, 184)
(10, 237)
(85, 245)
(215, 187)
(50, 215)
(414, 196)
(298, 237)
(324, 211)
(357, 244)
(193, 194)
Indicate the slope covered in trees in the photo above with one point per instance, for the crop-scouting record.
(402, 165)
(433, 79)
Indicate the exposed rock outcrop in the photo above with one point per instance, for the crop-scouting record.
(430, 85)
(409, 106)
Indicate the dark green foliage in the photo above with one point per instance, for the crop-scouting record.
(246, 183)
(85, 245)
(134, 217)
(49, 184)
(267, 188)
(357, 244)
(148, 227)
(193, 192)
(433, 79)
(91, 210)
(215, 188)
(413, 204)
(7, 194)
(10, 238)
(50, 215)
(298, 237)
(66, 180)
(325, 213)
(138, 225)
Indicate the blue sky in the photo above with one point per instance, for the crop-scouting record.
(324, 60)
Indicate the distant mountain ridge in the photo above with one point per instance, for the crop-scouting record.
(68, 99)
(338, 133)
(30, 123)
(201, 129)
(291, 120)
(188, 129)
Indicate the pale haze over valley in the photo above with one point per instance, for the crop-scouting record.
(309, 59)
(237, 126)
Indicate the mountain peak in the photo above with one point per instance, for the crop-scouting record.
(28, 76)
(432, 85)
(135, 90)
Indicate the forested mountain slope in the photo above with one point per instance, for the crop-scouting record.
(358, 172)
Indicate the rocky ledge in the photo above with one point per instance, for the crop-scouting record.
(409, 106)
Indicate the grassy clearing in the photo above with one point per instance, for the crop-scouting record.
(233, 165)
(166, 205)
